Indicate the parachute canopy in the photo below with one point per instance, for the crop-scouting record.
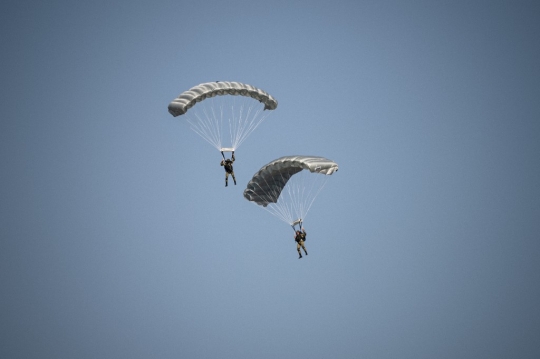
(223, 113)
(288, 186)
(186, 100)
(267, 184)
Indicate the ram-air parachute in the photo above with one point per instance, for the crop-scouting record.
(288, 186)
(223, 113)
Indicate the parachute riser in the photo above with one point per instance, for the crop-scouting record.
(297, 222)
(226, 150)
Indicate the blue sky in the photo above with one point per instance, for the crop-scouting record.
(119, 240)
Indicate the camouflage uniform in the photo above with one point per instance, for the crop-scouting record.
(299, 239)
(227, 164)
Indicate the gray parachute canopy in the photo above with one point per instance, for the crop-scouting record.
(188, 99)
(266, 185)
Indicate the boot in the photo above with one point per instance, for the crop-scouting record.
(300, 256)
(226, 184)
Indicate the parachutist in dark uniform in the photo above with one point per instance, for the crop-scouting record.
(227, 164)
(299, 238)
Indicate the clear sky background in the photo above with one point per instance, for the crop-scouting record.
(119, 240)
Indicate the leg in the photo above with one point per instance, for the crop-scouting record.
(226, 178)
(301, 244)
(298, 249)
(234, 178)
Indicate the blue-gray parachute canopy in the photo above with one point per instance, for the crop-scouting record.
(287, 186)
(223, 113)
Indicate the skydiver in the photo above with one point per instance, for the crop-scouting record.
(227, 164)
(299, 238)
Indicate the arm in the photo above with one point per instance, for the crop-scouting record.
(222, 163)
